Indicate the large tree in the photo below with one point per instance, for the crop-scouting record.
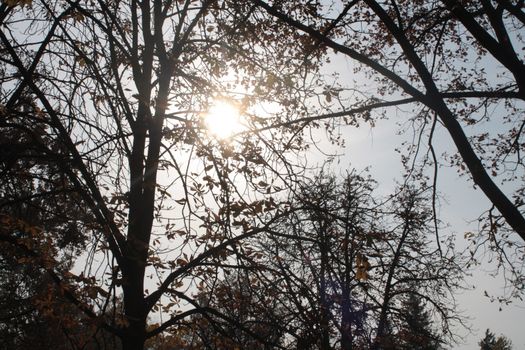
(103, 102)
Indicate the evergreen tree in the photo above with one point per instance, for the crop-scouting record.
(417, 332)
(490, 342)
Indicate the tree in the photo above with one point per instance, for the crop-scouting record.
(489, 342)
(104, 102)
(345, 262)
(417, 332)
(502, 343)
(450, 62)
(41, 226)
(251, 315)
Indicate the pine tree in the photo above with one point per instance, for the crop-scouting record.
(490, 342)
(416, 332)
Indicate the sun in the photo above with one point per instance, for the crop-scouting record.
(223, 120)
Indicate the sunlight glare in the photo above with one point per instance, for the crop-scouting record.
(223, 120)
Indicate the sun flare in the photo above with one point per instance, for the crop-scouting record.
(223, 120)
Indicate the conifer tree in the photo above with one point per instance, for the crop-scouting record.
(490, 342)
(417, 331)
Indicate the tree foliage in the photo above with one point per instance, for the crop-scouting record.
(101, 115)
(417, 331)
(339, 273)
(127, 223)
(447, 65)
(490, 342)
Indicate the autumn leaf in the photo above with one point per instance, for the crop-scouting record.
(21, 3)
(182, 262)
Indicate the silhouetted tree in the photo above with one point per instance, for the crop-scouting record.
(490, 342)
(344, 264)
(103, 104)
(417, 331)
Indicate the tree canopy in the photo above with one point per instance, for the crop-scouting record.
(490, 342)
(126, 222)
(443, 65)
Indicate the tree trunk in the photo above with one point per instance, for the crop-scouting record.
(135, 307)
(134, 340)
(346, 330)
